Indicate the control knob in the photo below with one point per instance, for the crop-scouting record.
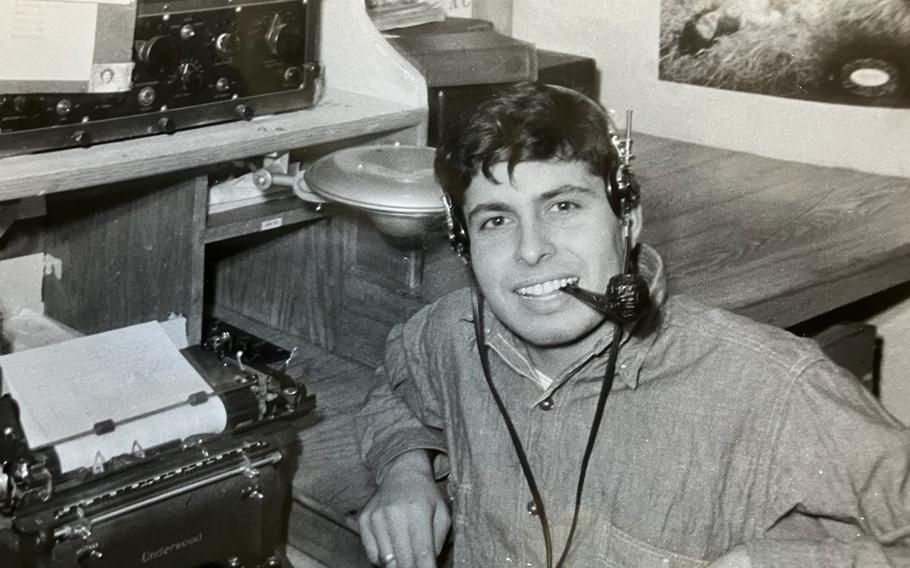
(284, 40)
(159, 54)
(190, 77)
(228, 44)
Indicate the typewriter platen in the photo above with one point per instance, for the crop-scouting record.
(202, 501)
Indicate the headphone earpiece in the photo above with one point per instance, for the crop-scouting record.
(623, 187)
(456, 229)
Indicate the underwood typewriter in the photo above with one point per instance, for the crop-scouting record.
(208, 500)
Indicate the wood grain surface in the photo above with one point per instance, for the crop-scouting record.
(779, 241)
(339, 115)
(128, 258)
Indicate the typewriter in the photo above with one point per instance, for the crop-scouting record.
(211, 500)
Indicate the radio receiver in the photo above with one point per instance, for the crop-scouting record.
(194, 62)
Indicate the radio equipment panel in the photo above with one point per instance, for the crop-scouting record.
(196, 62)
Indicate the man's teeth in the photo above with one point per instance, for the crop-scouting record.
(547, 287)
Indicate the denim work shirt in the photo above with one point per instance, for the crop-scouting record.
(718, 432)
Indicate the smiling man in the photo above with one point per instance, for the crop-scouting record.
(516, 230)
(574, 436)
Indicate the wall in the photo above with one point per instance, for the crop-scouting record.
(623, 37)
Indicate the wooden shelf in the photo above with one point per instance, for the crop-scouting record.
(256, 218)
(339, 115)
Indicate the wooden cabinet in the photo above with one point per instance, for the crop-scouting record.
(127, 228)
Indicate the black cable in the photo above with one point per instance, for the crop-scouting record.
(606, 386)
(480, 335)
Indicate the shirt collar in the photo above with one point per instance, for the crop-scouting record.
(636, 340)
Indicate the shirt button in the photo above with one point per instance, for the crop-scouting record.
(532, 508)
(546, 404)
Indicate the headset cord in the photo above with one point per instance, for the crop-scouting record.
(606, 386)
(480, 337)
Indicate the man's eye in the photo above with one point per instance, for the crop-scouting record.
(564, 206)
(493, 222)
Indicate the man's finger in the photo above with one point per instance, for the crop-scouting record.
(421, 537)
(367, 538)
(381, 528)
(397, 521)
(441, 522)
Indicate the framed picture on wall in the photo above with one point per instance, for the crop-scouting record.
(839, 51)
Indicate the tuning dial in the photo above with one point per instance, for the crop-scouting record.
(284, 40)
(159, 54)
(228, 44)
(190, 77)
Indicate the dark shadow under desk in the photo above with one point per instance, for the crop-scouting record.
(331, 484)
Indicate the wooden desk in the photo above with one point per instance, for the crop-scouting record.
(781, 242)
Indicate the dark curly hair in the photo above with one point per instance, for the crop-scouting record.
(527, 122)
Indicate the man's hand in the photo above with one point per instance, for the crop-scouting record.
(407, 517)
(736, 558)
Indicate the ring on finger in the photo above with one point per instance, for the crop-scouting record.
(387, 559)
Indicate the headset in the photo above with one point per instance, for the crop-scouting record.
(624, 301)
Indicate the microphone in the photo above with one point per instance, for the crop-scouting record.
(625, 300)
(627, 294)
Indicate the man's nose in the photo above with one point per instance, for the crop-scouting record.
(534, 243)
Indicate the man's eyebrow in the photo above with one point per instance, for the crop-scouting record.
(564, 190)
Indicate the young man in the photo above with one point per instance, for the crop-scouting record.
(723, 443)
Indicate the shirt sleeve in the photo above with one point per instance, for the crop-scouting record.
(838, 491)
(403, 412)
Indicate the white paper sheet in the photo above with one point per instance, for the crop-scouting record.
(47, 41)
(67, 388)
(20, 283)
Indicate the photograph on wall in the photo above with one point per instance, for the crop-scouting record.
(839, 51)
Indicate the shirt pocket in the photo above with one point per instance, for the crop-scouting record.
(620, 550)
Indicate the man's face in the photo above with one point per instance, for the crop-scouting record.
(551, 224)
